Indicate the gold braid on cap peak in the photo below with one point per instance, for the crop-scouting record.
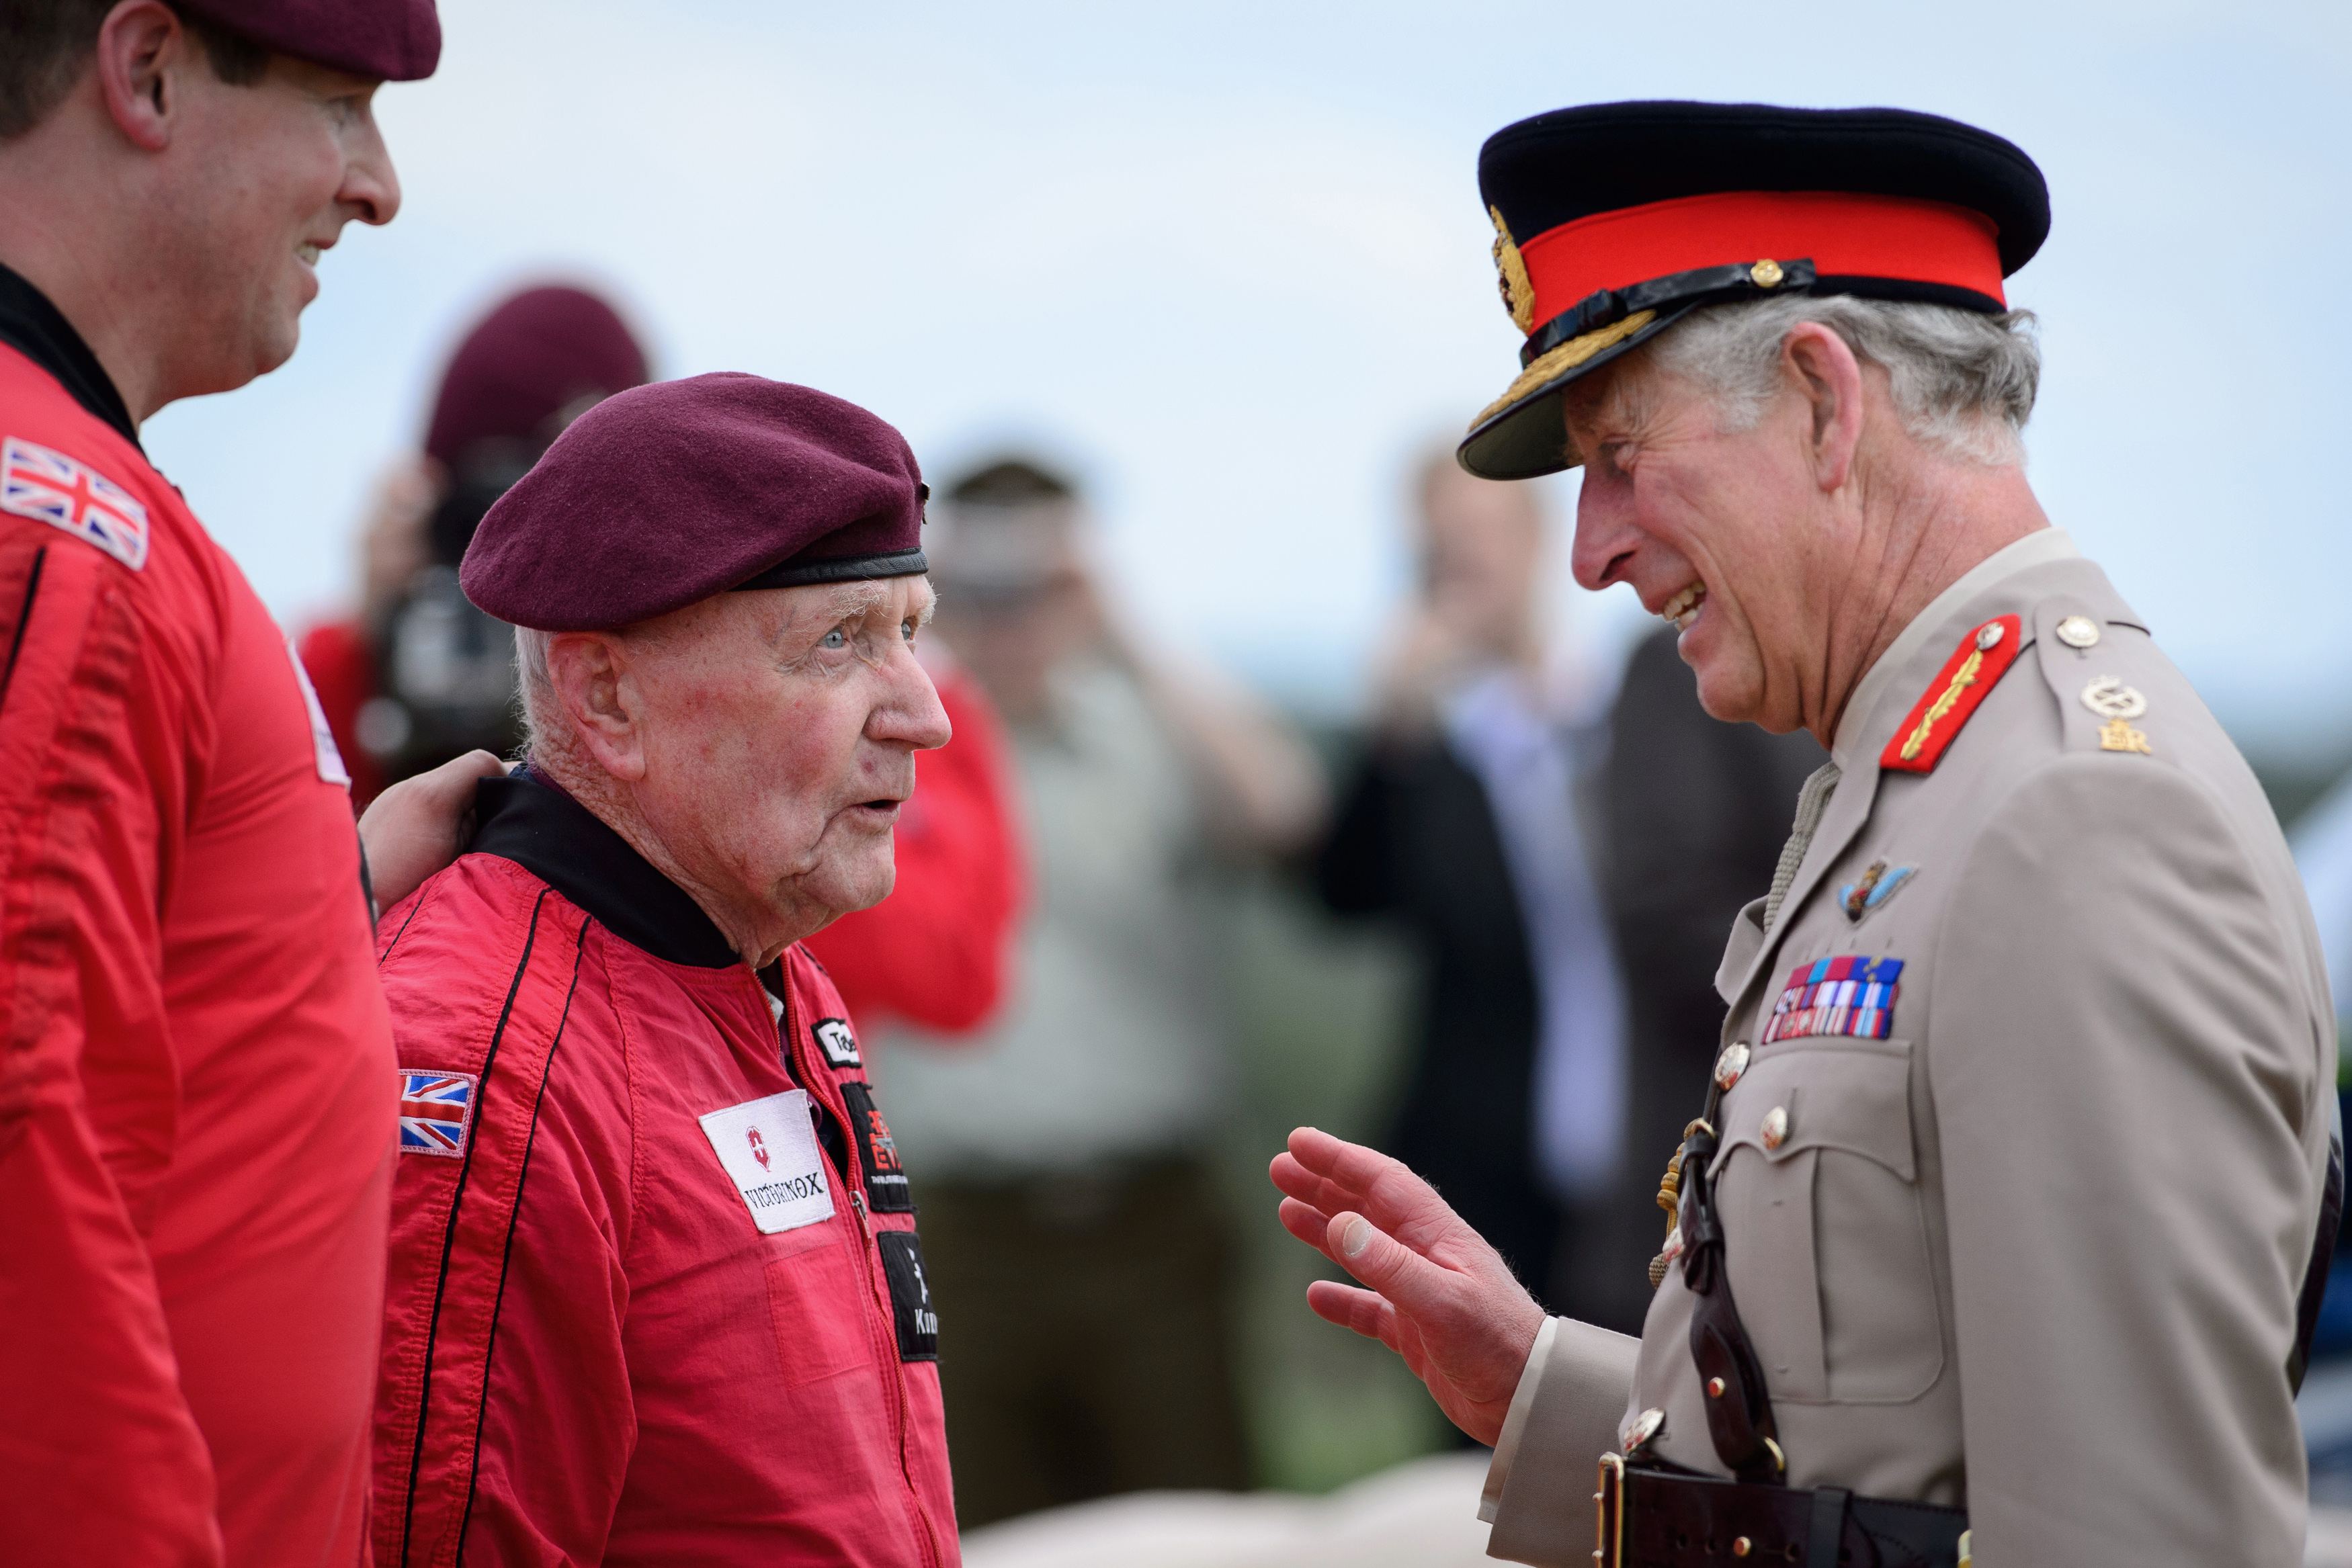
(1566, 357)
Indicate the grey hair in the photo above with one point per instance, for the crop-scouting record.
(534, 687)
(1962, 380)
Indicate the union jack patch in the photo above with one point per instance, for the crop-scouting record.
(51, 488)
(436, 1109)
(1849, 996)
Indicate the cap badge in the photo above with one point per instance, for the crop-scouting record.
(1511, 275)
(1873, 887)
(1766, 274)
(2119, 705)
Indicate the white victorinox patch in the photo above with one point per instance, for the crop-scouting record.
(768, 1148)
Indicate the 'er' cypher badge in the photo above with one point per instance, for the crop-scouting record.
(769, 1151)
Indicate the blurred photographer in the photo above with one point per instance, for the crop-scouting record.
(419, 675)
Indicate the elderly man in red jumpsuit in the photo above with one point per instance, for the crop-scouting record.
(656, 1294)
(196, 1116)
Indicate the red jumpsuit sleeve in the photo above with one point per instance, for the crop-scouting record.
(505, 1419)
(102, 1458)
(935, 951)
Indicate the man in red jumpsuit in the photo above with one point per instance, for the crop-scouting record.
(656, 1295)
(194, 1132)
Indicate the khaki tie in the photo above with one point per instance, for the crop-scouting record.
(1811, 803)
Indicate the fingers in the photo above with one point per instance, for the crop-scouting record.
(1340, 1175)
(1413, 1284)
(459, 775)
(414, 827)
(1353, 1308)
(1306, 1222)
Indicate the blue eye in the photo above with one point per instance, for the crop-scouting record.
(837, 638)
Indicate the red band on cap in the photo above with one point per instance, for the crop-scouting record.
(1846, 235)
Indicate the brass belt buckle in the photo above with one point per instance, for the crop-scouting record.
(1609, 1507)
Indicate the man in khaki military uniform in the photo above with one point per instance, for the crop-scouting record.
(1992, 1241)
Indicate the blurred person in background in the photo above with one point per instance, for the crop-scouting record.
(1470, 818)
(1543, 838)
(418, 675)
(1076, 1235)
(196, 1083)
(1696, 811)
(937, 951)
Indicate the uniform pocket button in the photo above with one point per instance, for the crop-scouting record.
(1775, 1131)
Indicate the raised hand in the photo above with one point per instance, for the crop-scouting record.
(1439, 1297)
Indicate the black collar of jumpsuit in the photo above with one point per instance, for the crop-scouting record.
(39, 331)
(526, 818)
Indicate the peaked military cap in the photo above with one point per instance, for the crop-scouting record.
(1614, 221)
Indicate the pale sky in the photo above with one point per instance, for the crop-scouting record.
(1229, 260)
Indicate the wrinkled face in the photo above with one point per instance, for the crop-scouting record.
(779, 729)
(1720, 531)
(1480, 547)
(262, 178)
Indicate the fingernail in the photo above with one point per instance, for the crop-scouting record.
(1356, 1236)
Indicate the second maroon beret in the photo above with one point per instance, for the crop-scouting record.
(391, 40)
(667, 494)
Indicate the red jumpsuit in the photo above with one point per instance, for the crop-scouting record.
(935, 952)
(195, 1067)
(656, 1295)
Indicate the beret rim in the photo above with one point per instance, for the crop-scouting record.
(388, 40)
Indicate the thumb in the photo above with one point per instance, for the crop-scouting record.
(1407, 1279)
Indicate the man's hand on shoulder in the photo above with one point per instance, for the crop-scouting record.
(413, 828)
(1441, 1297)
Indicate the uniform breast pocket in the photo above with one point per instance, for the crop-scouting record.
(812, 1291)
(1825, 1230)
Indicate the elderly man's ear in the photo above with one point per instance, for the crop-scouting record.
(591, 674)
(1828, 376)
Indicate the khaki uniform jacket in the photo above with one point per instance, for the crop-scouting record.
(2037, 1252)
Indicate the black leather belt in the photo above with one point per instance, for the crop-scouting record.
(1652, 1518)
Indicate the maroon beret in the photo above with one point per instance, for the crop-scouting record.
(665, 494)
(391, 40)
(535, 357)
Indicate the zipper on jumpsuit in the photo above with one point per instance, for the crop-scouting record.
(887, 1339)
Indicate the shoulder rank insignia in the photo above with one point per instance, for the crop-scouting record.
(2119, 705)
(1983, 656)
